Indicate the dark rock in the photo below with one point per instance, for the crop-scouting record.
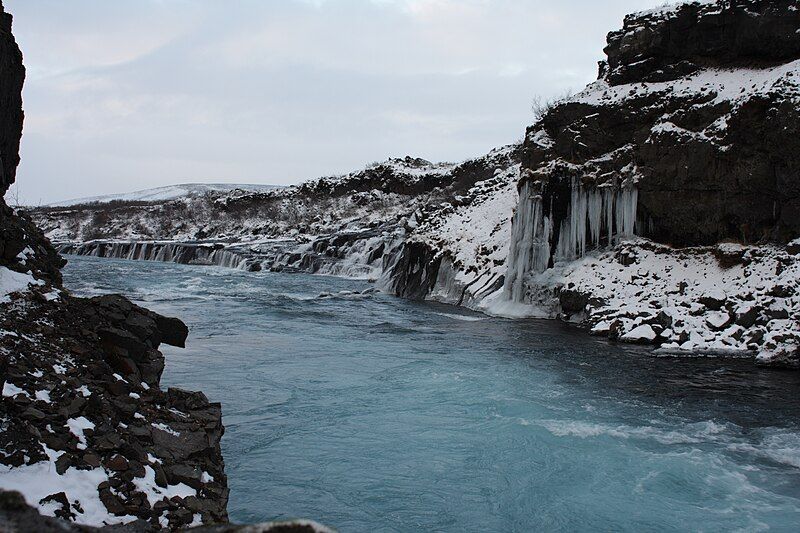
(776, 313)
(111, 502)
(785, 357)
(173, 331)
(747, 318)
(64, 461)
(181, 446)
(712, 302)
(572, 301)
(91, 459)
(63, 509)
(117, 463)
(182, 473)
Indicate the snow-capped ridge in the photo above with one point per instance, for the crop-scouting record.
(169, 192)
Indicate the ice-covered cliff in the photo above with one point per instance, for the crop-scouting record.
(689, 138)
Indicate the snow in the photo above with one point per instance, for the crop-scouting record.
(43, 396)
(170, 192)
(147, 486)
(40, 480)
(10, 390)
(165, 428)
(640, 333)
(77, 426)
(671, 282)
(669, 8)
(732, 85)
(11, 282)
(473, 238)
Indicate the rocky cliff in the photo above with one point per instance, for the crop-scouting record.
(696, 112)
(12, 76)
(87, 435)
(688, 138)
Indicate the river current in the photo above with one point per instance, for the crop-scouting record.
(371, 413)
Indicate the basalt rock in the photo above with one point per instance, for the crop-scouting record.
(689, 137)
(12, 76)
(669, 43)
(17, 516)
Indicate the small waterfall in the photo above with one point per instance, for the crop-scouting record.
(594, 215)
(184, 253)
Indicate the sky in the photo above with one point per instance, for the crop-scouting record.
(130, 94)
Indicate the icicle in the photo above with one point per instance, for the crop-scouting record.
(590, 212)
(530, 243)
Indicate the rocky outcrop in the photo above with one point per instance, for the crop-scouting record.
(668, 43)
(81, 394)
(16, 515)
(710, 153)
(12, 76)
(689, 138)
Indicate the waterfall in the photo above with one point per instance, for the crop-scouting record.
(593, 214)
(185, 253)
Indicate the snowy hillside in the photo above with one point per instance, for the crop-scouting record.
(170, 192)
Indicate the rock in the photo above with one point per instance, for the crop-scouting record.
(718, 320)
(117, 463)
(729, 255)
(123, 339)
(173, 331)
(91, 459)
(776, 312)
(182, 473)
(180, 446)
(653, 46)
(61, 504)
(713, 299)
(572, 301)
(63, 462)
(112, 503)
(747, 316)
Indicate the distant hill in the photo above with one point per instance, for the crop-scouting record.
(170, 192)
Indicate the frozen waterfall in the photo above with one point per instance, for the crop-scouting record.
(594, 215)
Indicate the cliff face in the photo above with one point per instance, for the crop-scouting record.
(690, 138)
(669, 43)
(86, 433)
(695, 119)
(12, 76)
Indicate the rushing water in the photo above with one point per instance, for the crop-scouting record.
(371, 413)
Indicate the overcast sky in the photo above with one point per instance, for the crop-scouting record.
(129, 94)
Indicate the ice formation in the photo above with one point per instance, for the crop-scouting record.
(595, 215)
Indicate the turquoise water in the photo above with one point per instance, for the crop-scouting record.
(371, 413)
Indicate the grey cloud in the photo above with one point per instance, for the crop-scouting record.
(281, 91)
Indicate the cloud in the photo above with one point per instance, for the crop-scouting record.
(135, 93)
